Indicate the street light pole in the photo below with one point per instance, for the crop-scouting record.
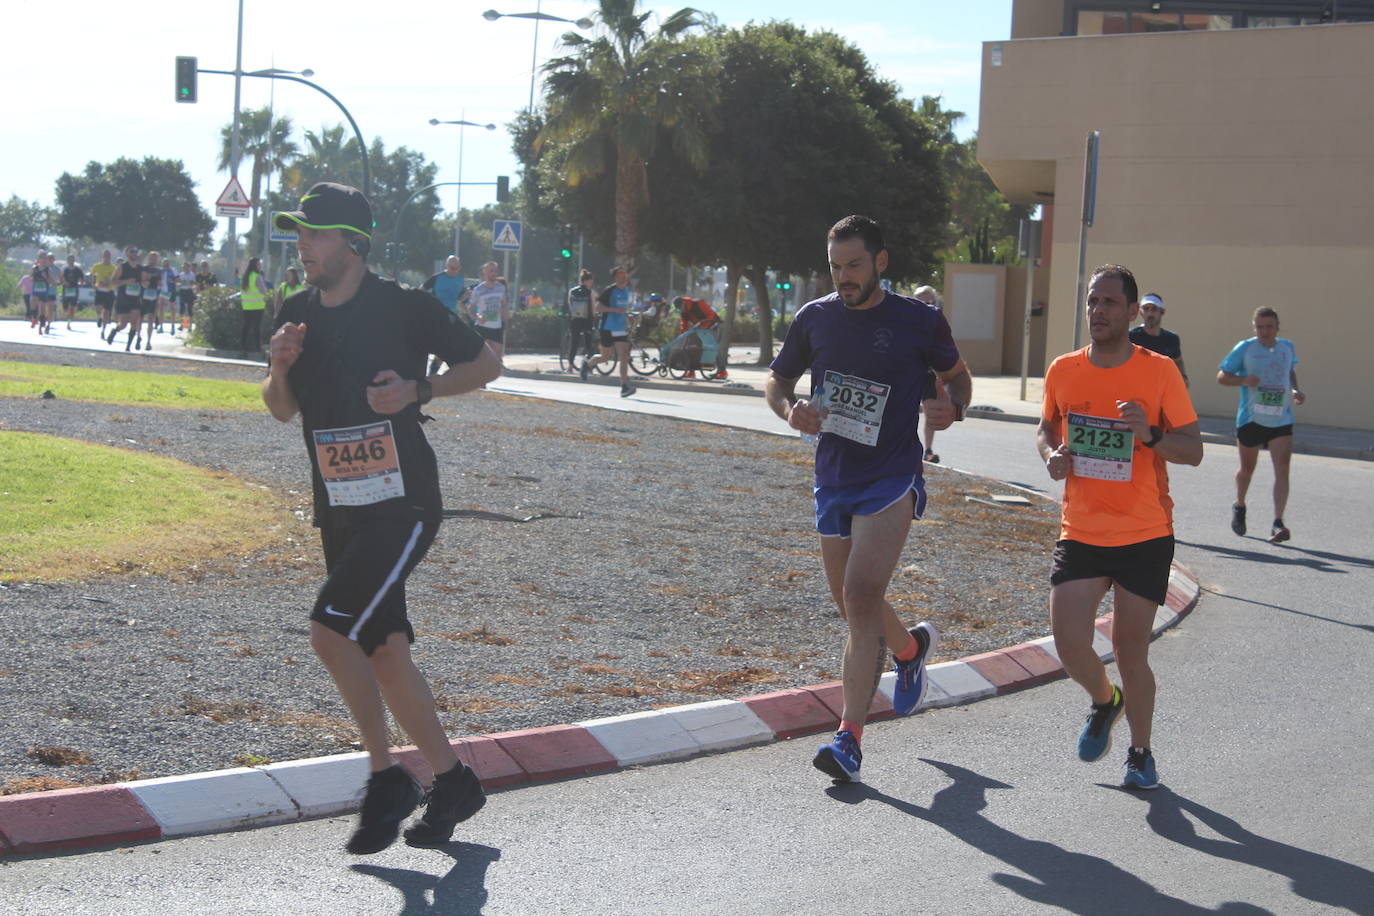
(538, 15)
(234, 147)
(458, 205)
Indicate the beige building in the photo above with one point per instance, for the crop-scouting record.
(1236, 170)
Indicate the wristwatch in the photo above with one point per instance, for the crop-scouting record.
(958, 410)
(1156, 433)
(424, 392)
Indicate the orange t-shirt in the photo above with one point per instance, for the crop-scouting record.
(1135, 506)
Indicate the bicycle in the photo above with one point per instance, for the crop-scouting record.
(589, 349)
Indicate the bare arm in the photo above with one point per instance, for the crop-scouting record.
(1182, 371)
(1052, 450)
(389, 393)
(284, 350)
(1182, 445)
(958, 386)
(1298, 397)
(780, 395)
(1236, 381)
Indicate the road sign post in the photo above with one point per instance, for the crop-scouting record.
(505, 234)
(232, 201)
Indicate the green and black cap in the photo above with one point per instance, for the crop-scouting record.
(328, 205)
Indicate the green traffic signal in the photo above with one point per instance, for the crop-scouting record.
(186, 79)
(565, 254)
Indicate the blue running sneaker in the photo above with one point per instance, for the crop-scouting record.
(910, 688)
(840, 758)
(1140, 770)
(1096, 738)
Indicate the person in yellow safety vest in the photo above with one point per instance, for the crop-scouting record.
(253, 302)
(288, 288)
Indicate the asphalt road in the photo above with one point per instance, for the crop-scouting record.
(1261, 738)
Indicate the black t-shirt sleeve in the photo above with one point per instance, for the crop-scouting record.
(440, 332)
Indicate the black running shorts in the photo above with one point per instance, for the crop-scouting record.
(1253, 435)
(495, 335)
(104, 298)
(1141, 569)
(611, 338)
(368, 561)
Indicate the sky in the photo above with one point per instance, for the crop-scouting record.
(103, 87)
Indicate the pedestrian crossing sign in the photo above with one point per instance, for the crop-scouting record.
(505, 235)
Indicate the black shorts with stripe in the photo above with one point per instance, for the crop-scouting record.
(1141, 569)
(368, 560)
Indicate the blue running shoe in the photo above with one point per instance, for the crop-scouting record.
(910, 688)
(1096, 738)
(1140, 770)
(840, 758)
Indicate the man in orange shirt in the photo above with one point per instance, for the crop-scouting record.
(1113, 415)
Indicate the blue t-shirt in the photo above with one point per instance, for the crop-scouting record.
(883, 354)
(618, 299)
(1270, 404)
(447, 290)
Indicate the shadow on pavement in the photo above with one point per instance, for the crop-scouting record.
(1312, 875)
(1072, 881)
(461, 891)
(1367, 627)
(1317, 560)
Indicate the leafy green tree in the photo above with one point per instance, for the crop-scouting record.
(266, 141)
(24, 223)
(614, 100)
(804, 133)
(151, 203)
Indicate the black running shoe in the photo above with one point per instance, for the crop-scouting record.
(148, 345)
(455, 796)
(1279, 533)
(1238, 519)
(391, 795)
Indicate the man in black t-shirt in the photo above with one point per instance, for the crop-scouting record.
(1150, 335)
(348, 354)
(128, 285)
(580, 306)
(72, 275)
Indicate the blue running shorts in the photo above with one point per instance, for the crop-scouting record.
(837, 506)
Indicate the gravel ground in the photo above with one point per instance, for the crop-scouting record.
(595, 563)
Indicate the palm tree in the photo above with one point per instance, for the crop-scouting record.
(614, 97)
(328, 156)
(264, 139)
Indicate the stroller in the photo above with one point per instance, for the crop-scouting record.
(694, 350)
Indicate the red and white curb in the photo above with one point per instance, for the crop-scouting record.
(279, 793)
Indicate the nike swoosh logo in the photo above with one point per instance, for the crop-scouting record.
(329, 609)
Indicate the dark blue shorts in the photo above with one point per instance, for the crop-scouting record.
(837, 506)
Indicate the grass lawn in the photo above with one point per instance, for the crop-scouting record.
(66, 510)
(135, 389)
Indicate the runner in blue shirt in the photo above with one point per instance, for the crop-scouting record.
(868, 352)
(1262, 368)
(449, 288)
(614, 307)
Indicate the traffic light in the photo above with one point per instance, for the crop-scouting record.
(502, 188)
(186, 79)
(563, 261)
(783, 285)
